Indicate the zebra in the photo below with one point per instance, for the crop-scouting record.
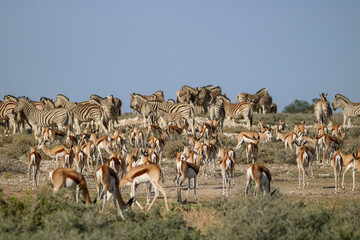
(151, 106)
(217, 111)
(64, 102)
(59, 117)
(167, 118)
(87, 112)
(111, 106)
(350, 109)
(20, 118)
(7, 115)
(252, 98)
(238, 110)
(265, 104)
(47, 103)
(83, 112)
(322, 110)
(137, 106)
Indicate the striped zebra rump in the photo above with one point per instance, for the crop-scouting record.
(7, 114)
(187, 111)
(88, 112)
(57, 116)
(238, 111)
(322, 111)
(217, 112)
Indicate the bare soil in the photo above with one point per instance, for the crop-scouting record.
(285, 180)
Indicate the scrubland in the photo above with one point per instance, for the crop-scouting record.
(290, 213)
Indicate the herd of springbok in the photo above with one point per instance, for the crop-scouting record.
(134, 156)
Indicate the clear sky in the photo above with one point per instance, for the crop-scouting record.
(296, 49)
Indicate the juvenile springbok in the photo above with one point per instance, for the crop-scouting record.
(80, 157)
(261, 176)
(227, 171)
(303, 159)
(252, 150)
(34, 166)
(185, 170)
(68, 157)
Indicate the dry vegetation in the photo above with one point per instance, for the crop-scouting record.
(291, 213)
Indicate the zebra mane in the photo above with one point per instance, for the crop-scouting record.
(63, 97)
(186, 87)
(263, 89)
(140, 96)
(10, 97)
(215, 88)
(225, 98)
(94, 96)
(44, 99)
(47, 101)
(23, 98)
(209, 87)
(96, 99)
(159, 92)
(339, 96)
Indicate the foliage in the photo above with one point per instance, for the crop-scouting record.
(300, 106)
(45, 215)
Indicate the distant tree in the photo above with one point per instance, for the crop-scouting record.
(300, 106)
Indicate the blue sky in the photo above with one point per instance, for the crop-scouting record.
(296, 49)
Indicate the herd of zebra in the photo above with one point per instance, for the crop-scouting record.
(61, 120)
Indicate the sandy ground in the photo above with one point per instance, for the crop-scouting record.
(285, 180)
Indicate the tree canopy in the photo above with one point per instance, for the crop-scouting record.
(300, 106)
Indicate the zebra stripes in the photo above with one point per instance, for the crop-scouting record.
(350, 109)
(7, 114)
(87, 112)
(59, 117)
(151, 106)
(322, 110)
(111, 106)
(239, 110)
(254, 98)
(63, 101)
(217, 111)
(84, 112)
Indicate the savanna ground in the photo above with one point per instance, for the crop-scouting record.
(315, 212)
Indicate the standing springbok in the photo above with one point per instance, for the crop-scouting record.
(252, 150)
(146, 173)
(227, 171)
(185, 170)
(261, 176)
(347, 161)
(34, 166)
